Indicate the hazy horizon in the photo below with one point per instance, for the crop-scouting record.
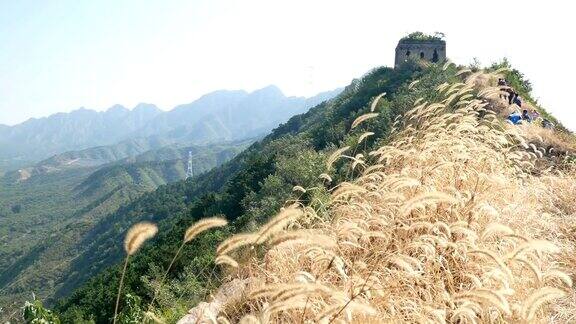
(59, 56)
(159, 107)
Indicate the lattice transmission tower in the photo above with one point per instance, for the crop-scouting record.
(189, 170)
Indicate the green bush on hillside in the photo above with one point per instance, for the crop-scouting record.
(423, 37)
(515, 78)
(35, 313)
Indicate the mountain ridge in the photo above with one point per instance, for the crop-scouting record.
(258, 112)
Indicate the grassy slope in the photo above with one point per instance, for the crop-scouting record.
(40, 243)
(459, 217)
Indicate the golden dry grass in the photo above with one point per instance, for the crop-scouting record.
(448, 223)
(202, 226)
(137, 235)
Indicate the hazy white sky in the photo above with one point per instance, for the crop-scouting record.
(61, 55)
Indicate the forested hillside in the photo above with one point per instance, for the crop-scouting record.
(99, 155)
(415, 121)
(43, 218)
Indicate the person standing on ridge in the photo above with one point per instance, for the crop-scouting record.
(511, 96)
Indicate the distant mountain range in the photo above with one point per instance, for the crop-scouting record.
(39, 138)
(215, 117)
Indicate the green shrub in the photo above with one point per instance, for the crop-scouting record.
(132, 311)
(515, 78)
(423, 37)
(34, 312)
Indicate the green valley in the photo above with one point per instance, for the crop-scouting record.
(43, 217)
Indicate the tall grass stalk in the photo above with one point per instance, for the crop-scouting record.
(191, 233)
(135, 237)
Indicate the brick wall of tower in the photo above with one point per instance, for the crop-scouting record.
(429, 51)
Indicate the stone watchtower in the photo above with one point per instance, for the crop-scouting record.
(419, 46)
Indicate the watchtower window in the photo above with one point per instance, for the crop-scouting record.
(435, 56)
(407, 53)
(421, 55)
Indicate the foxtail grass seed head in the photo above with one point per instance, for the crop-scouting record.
(413, 83)
(299, 189)
(375, 101)
(364, 136)
(363, 118)
(137, 235)
(224, 259)
(326, 177)
(202, 226)
(283, 218)
(335, 156)
(236, 242)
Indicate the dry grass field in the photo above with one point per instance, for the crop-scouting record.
(461, 218)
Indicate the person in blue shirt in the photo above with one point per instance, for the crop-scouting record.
(515, 118)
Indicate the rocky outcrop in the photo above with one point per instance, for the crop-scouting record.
(227, 294)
